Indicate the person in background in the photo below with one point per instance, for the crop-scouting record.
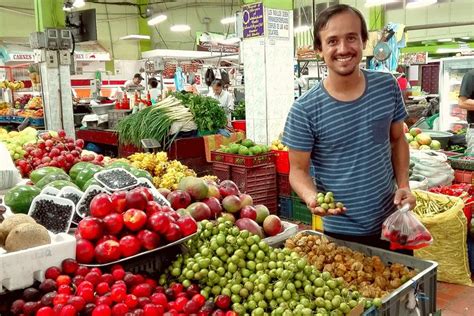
(367, 171)
(134, 82)
(155, 92)
(223, 96)
(466, 95)
(403, 84)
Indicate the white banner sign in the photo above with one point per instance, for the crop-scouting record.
(92, 56)
(278, 23)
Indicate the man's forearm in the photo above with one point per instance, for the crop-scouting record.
(302, 183)
(401, 162)
(467, 104)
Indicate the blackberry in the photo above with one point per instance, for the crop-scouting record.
(117, 179)
(83, 207)
(55, 217)
(72, 196)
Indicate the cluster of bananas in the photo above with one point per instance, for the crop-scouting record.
(166, 173)
(278, 145)
(13, 85)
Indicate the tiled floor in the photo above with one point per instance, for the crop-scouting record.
(455, 300)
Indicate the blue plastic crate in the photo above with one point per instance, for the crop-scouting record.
(285, 207)
(36, 121)
(4, 119)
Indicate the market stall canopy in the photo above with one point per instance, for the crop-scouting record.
(91, 51)
(187, 54)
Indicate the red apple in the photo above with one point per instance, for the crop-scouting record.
(113, 223)
(137, 199)
(159, 222)
(107, 251)
(105, 238)
(119, 201)
(90, 228)
(272, 225)
(84, 251)
(134, 219)
(147, 192)
(150, 240)
(187, 224)
(179, 199)
(152, 207)
(173, 233)
(214, 205)
(129, 245)
(248, 212)
(101, 205)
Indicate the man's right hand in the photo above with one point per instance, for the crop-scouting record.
(315, 209)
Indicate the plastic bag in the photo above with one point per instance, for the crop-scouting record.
(432, 165)
(404, 231)
(9, 175)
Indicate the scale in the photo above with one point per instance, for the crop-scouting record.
(382, 51)
(150, 145)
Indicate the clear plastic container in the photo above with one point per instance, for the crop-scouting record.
(129, 180)
(53, 212)
(50, 191)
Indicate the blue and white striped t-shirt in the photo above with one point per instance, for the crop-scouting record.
(350, 150)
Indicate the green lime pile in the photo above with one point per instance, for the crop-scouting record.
(245, 147)
(326, 201)
(258, 279)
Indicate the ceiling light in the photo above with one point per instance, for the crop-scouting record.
(158, 18)
(228, 20)
(465, 37)
(445, 40)
(135, 37)
(413, 4)
(372, 3)
(301, 28)
(180, 28)
(79, 3)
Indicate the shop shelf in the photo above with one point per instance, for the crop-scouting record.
(282, 161)
(243, 160)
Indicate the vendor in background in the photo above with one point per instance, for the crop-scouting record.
(155, 92)
(466, 95)
(403, 84)
(224, 97)
(135, 82)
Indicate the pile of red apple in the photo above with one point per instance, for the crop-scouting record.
(54, 151)
(223, 199)
(123, 224)
(78, 290)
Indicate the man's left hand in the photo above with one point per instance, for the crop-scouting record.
(404, 196)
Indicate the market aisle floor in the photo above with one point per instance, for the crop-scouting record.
(455, 300)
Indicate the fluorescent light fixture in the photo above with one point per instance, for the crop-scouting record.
(158, 18)
(445, 40)
(135, 37)
(301, 28)
(413, 4)
(180, 28)
(372, 3)
(228, 20)
(465, 37)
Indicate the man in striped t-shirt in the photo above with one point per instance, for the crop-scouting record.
(350, 127)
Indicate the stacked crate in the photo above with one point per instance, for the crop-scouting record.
(254, 175)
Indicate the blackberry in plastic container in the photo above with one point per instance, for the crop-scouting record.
(83, 208)
(72, 196)
(55, 217)
(117, 179)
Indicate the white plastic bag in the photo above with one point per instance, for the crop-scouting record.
(9, 175)
(433, 165)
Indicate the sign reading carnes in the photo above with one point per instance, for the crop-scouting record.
(92, 56)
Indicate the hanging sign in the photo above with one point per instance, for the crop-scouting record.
(24, 56)
(278, 23)
(252, 18)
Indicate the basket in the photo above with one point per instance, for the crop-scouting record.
(285, 207)
(301, 212)
(283, 184)
(115, 116)
(463, 164)
(243, 160)
(463, 176)
(282, 161)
